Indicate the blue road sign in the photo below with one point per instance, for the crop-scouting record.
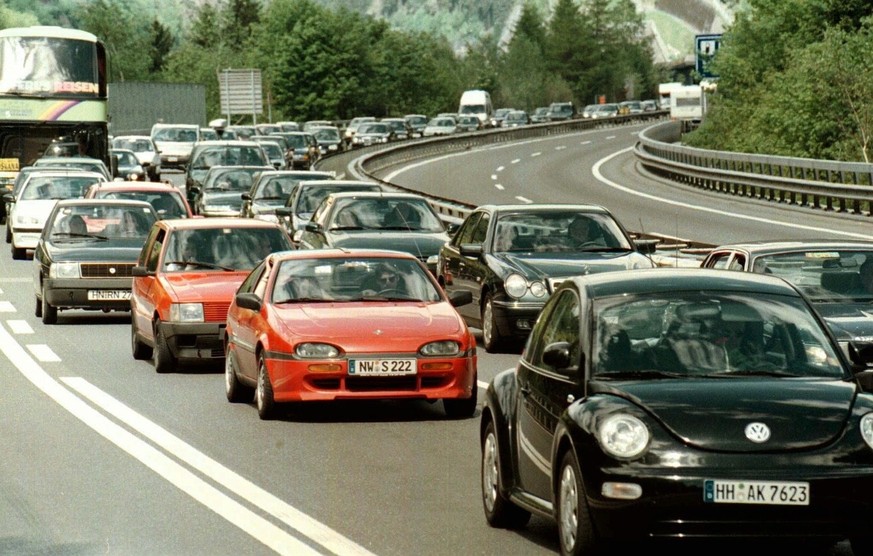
(705, 48)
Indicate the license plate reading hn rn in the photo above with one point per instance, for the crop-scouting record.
(779, 493)
(108, 295)
(382, 367)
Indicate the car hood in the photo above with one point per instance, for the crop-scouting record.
(848, 321)
(548, 265)
(86, 251)
(381, 326)
(38, 209)
(419, 244)
(213, 286)
(712, 414)
(174, 148)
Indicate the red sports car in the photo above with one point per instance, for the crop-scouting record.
(331, 324)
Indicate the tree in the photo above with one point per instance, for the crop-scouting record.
(161, 44)
(125, 39)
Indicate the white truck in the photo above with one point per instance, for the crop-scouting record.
(477, 103)
(687, 106)
(664, 90)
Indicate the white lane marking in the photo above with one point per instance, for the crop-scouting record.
(523, 199)
(560, 147)
(499, 186)
(7, 307)
(532, 155)
(515, 161)
(610, 136)
(500, 168)
(234, 512)
(19, 326)
(585, 143)
(494, 177)
(294, 518)
(600, 177)
(43, 353)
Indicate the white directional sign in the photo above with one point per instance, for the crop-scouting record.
(240, 91)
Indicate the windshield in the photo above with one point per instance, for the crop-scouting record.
(559, 231)
(221, 248)
(56, 187)
(88, 222)
(353, 279)
(823, 275)
(385, 214)
(707, 333)
(230, 180)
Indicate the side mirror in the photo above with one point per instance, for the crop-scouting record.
(472, 250)
(141, 271)
(646, 246)
(248, 301)
(284, 211)
(460, 297)
(312, 227)
(8, 198)
(557, 355)
(452, 227)
(246, 197)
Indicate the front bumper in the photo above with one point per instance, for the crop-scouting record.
(200, 341)
(107, 294)
(514, 319)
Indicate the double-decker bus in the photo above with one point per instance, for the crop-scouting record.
(52, 94)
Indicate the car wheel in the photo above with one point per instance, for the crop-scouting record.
(140, 351)
(18, 253)
(49, 312)
(459, 408)
(8, 232)
(37, 307)
(499, 511)
(264, 392)
(164, 360)
(575, 529)
(490, 335)
(236, 391)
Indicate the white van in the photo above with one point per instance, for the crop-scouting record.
(478, 103)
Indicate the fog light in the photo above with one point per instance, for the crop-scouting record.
(522, 324)
(324, 368)
(621, 491)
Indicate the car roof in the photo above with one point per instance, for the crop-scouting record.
(64, 172)
(226, 143)
(106, 202)
(667, 279)
(217, 169)
(215, 223)
(545, 207)
(783, 246)
(135, 186)
(331, 253)
(378, 195)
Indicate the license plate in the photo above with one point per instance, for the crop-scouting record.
(779, 493)
(172, 159)
(382, 367)
(108, 295)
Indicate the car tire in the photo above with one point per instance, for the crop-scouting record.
(138, 349)
(37, 307)
(491, 339)
(575, 529)
(264, 392)
(499, 511)
(49, 312)
(235, 390)
(8, 232)
(18, 253)
(861, 545)
(461, 408)
(164, 360)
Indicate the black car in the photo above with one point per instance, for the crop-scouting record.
(836, 276)
(207, 154)
(85, 254)
(376, 220)
(511, 258)
(681, 403)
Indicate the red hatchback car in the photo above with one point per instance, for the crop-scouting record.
(184, 281)
(330, 324)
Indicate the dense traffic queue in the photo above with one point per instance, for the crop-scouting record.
(647, 402)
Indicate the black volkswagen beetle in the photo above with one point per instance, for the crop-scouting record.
(511, 258)
(676, 403)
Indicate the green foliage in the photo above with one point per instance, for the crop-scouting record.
(796, 81)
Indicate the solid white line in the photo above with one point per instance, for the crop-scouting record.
(599, 176)
(19, 326)
(294, 518)
(7, 307)
(43, 353)
(234, 512)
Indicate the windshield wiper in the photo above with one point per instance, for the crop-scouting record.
(341, 228)
(200, 264)
(603, 250)
(75, 234)
(754, 372)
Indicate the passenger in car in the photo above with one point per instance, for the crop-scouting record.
(584, 232)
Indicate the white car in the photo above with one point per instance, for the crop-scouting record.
(145, 150)
(174, 142)
(34, 202)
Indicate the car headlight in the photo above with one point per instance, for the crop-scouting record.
(625, 436)
(186, 312)
(538, 289)
(314, 350)
(440, 348)
(515, 285)
(26, 220)
(867, 429)
(64, 270)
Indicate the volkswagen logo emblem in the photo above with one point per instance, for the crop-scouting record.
(758, 432)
